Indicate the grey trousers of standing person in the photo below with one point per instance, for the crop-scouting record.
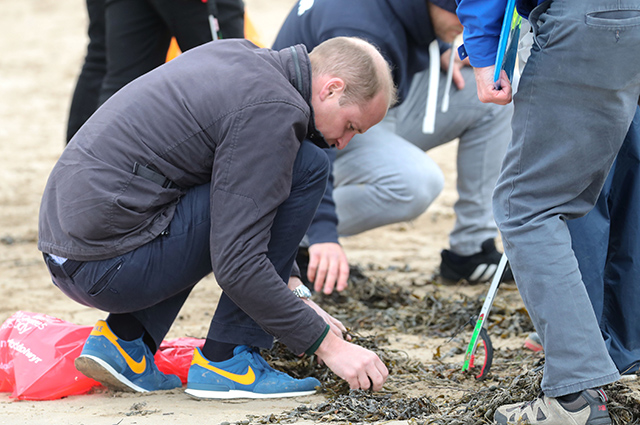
(574, 105)
(383, 176)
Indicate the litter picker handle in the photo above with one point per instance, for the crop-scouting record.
(486, 307)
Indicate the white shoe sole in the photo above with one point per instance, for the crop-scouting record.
(231, 394)
(99, 370)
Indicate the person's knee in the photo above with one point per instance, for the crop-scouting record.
(417, 189)
(423, 186)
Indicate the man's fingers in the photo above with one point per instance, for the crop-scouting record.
(332, 276)
(363, 380)
(458, 79)
(321, 272)
(312, 267)
(379, 375)
(338, 324)
(343, 276)
(333, 326)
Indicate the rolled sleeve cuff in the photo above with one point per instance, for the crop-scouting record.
(311, 350)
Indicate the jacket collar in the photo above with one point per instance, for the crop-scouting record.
(301, 79)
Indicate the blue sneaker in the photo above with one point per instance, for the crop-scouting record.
(245, 375)
(112, 362)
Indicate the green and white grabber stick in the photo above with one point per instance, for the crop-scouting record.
(486, 307)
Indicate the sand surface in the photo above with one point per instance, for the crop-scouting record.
(42, 45)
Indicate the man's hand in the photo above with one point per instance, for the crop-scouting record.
(328, 267)
(457, 77)
(487, 93)
(361, 368)
(336, 326)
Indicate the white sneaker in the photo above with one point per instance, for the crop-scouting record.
(588, 409)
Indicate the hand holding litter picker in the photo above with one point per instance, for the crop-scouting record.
(508, 44)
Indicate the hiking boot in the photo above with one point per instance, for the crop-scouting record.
(476, 268)
(245, 375)
(121, 365)
(533, 342)
(588, 409)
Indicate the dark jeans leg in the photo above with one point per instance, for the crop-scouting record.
(607, 245)
(310, 171)
(85, 96)
(153, 281)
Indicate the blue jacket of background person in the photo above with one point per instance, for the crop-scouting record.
(482, 21)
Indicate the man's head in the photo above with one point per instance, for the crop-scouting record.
(352, 88)
(444, 19)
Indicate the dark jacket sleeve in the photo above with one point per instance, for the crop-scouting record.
(249, 181)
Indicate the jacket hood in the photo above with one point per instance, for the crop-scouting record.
(414, 16)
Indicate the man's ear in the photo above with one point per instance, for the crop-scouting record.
(332, 87)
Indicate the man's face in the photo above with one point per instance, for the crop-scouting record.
(338, 124)
(446, 24)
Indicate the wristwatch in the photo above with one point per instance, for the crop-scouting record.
(302, 291)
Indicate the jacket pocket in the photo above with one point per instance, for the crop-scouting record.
(103, 282)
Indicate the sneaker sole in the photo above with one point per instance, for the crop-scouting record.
(220, 395)
(97, 369)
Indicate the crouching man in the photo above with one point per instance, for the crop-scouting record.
(211, 163)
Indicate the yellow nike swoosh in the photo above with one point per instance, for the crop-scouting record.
(103, 330)
(247, 378)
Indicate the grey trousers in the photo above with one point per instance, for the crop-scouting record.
(384, 176)
(574, 105)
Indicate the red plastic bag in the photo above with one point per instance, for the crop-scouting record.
(37, 354)
(174, 356)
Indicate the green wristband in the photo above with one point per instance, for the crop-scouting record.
(311, 350)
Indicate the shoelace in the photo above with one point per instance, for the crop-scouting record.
(261, 363)
(530, 403)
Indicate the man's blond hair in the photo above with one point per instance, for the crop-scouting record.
(359, 64)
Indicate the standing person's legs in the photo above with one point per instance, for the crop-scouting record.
(572, 111)
(484, 133)
(85, 96)
(621, 291)
(187, 21)
(610, 265)
(230, 326)
(380, 178)
(231, 18)
(137, 42)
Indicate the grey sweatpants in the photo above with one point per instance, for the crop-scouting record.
(575, 102)
(384, 176)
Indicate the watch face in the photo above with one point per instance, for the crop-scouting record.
(302, 292)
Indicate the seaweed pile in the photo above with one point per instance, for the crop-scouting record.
(381, 309)
(373, 303)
